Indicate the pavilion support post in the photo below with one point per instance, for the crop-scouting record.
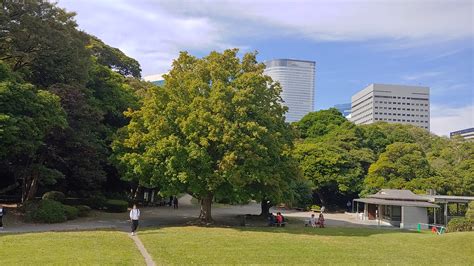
(446, 213)
(434, 215)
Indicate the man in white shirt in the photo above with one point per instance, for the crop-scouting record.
(134, 217)
(2, 212)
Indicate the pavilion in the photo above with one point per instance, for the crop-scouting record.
(400, 208)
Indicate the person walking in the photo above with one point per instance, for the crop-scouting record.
(2, 212)
(175, 202)
(134, 217)
(348, 204)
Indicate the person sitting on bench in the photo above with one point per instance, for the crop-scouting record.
(321, 220)
(280, 219)
(271, 220)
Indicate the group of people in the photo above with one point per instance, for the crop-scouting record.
(277, 220)
(174, 201)
(319, 222)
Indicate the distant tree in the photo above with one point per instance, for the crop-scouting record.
(213, 130)
(114, 58)
(401, 166)
(317, 124)
(333, 168)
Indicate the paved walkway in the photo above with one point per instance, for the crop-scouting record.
(148, 260)
(228, 215)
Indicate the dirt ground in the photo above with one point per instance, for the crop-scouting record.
(187, 213)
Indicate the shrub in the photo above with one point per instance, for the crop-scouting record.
(73, 201)
(470, 211)
(83, 210)
(47, 211)
(460, 225)
(116, 206)
(29, 209)
(315, 208)
(96, 202)
(71, 212)
(54, 195)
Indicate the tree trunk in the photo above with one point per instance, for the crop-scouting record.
(265, 206)
(321, 198)
(30, 186)
(205, 214)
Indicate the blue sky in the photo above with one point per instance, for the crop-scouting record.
(354, 43)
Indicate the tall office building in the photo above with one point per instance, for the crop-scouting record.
(296, 78)
(392, 104)
(467, 134)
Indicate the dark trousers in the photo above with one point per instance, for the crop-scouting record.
(1, 221)
(134, 225)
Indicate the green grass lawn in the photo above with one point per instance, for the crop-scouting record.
(69, 248)
(186, 245)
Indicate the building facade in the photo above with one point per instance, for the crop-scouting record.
(467, 134)
(345, 109)
(297, 80)
(392, 104)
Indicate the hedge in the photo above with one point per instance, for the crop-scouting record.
(47, 211)
(71, 212)
(54, 195)
(83, 210)
(460, 225)
(96, 202)
(116, 206)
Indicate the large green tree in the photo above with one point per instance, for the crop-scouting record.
(41, 44)
(27, 116)
(215, 128)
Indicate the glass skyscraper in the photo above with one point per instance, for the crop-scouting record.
(296, 78)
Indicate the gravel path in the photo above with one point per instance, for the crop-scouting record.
(226, 215)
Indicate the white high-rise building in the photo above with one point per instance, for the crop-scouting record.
(296, 78)
(392, 104)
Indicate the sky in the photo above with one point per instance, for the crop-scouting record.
(354, 43)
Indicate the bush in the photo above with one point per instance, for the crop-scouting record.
(83, 210)
(460, 225)
(47, 211)
(315, 208)
(96, 202)
(470, 211)
(54, 195)
(71, 212)
(116, 206)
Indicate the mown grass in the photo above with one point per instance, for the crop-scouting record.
(69, 248)
(201, 245)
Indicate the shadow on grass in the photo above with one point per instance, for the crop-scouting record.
(328, 231)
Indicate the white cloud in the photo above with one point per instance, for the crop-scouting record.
(146, 32)
(155, 31)
(403, 20)
(447, 119)
(423, 75)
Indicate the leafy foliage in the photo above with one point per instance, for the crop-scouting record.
(47, 211)
(116, 205)
(215, 129)
(54, 195)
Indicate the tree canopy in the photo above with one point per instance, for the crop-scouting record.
(214, 130)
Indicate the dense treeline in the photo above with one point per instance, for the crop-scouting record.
(62, 97)
(75, 117)
(344, 160)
